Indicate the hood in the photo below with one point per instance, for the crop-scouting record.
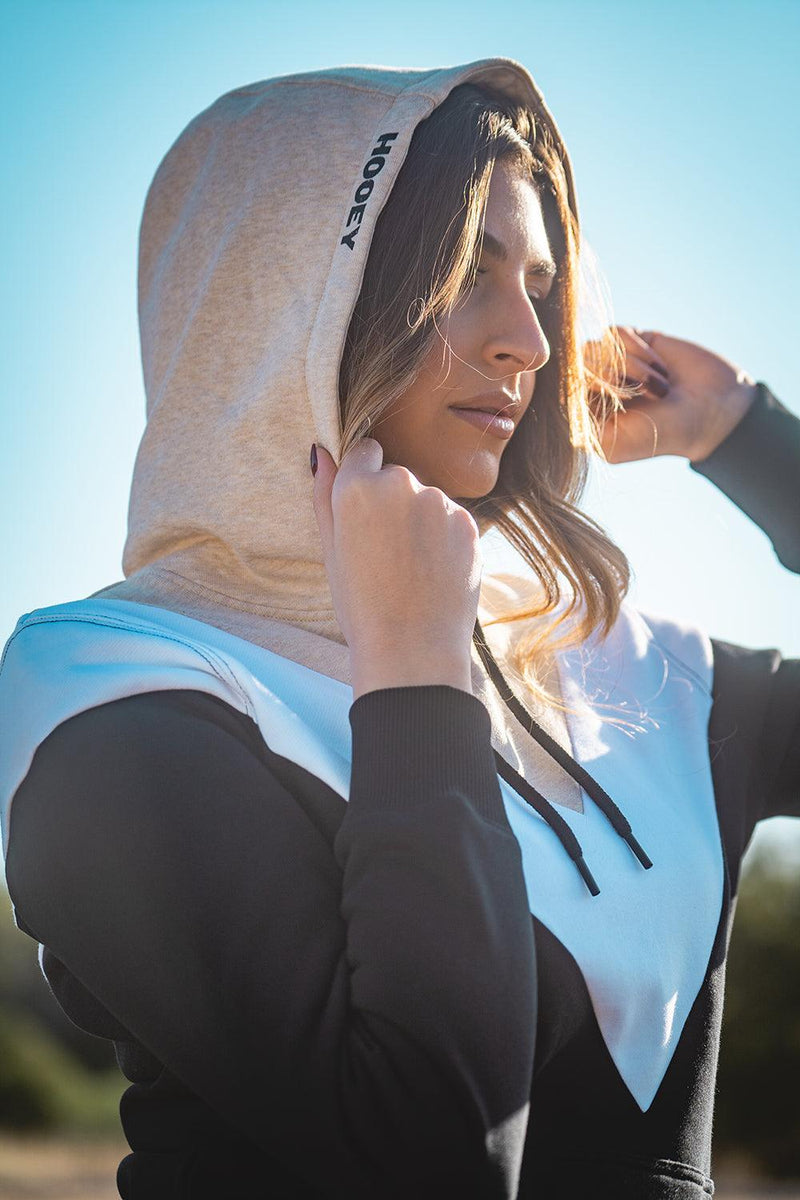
(253, 244)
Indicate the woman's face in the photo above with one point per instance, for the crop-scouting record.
(492, 346)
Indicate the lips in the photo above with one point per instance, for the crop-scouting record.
(495, 423)
(492, 402)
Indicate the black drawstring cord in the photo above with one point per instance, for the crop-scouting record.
(581, 776)
(554, 819)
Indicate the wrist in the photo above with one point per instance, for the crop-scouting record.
(730, 411)
(372, 672)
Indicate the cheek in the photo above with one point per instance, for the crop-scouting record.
(453, 346)
(460, 333)
(406, 425)
(421, 414)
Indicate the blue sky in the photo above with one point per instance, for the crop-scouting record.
(682, 123)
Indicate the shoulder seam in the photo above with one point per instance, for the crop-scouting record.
(676, 659)
(223, 671)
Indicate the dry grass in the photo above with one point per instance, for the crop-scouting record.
(59, 1169)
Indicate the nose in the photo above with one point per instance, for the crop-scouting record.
(516, 338)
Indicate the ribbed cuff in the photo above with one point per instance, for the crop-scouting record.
(757, 466)
(412, 744)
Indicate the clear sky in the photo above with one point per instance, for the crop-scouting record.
(682, 123)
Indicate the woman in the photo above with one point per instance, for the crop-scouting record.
(295, 804)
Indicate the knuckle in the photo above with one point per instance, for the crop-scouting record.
(398, 474)
(350, 492)
(436, 503)
(467, 521)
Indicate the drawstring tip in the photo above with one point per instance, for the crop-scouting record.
(587, 876)
(638, 851)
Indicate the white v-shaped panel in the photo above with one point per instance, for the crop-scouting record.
(643, 944)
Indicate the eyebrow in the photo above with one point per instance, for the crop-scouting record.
(545, 268)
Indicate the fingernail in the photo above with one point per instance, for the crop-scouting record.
(661, 370)
(658, 385)
(313, 458)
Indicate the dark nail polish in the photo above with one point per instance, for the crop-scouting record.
(313, 458)
(657, 385)
(661, 370)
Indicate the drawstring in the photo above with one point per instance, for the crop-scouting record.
(618, 820)
(554, 819)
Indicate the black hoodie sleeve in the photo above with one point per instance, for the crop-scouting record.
(755, 728)
(359, 1002)
(757, 692)
(757, 466)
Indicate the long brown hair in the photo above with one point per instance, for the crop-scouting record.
(423, 257)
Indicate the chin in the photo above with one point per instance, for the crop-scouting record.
(466, 489)
(476, 479)
(459, 494)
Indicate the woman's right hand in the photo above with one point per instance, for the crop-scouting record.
(404, 565)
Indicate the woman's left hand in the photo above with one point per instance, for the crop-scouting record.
(688, 413)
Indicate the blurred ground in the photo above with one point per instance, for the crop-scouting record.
(58, 1169)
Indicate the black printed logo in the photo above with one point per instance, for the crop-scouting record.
(373, 166)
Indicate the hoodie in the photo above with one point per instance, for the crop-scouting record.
(217, 667)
